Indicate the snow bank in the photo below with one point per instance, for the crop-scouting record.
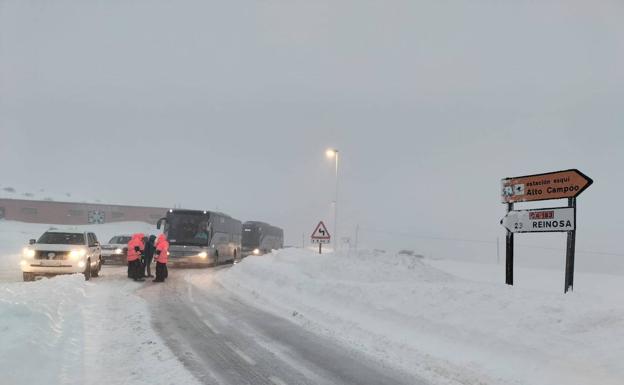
(543, 279)
(448, 329)
(68, 331)
(15, 235)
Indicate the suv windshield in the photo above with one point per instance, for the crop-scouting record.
(188, 229)
(119, 240)
(62, 238)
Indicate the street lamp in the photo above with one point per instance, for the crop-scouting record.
(332, 153)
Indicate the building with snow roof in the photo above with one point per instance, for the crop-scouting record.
(74, 213)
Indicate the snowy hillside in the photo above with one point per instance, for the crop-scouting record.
(430, 322)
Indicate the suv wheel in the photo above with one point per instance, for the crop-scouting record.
(96, 271)
(87, 272)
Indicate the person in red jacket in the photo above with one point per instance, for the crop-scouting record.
(135, 249)
(161, 257)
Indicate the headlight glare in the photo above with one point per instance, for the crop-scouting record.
(203, 254)
(118, 251)
(256, 251)
(28, 253)
(76, 254)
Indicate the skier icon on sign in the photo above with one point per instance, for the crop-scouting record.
(320, 234)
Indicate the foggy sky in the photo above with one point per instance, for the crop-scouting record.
(231, 104)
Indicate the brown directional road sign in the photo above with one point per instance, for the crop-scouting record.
(538, 187)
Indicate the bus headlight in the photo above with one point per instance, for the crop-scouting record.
(28, 253)
(256, 251)
(77, 254)
(203, 254)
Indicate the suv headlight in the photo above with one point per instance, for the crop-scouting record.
(256, 251)
(118, 251)
(203, 254)
(77, 254)
(28, 253)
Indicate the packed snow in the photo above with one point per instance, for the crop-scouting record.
(68, 331)
(432, 323)
(65, 330)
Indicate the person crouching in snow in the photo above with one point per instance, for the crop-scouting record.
(135, 249)
(162, 257)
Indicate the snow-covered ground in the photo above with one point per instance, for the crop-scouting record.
(447, 321)
(543, 279)
(14, 237)
(455, 323)
(68, 331)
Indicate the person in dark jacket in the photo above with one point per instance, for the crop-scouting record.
(150, 248)
(142, 264)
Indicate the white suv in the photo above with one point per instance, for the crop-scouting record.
(62, 252)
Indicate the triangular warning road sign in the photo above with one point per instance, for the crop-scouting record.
(321, 232)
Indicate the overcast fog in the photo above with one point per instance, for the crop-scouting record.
(230, 105)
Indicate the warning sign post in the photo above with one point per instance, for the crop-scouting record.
(321, 236)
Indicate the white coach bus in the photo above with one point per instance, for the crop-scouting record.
(201, 238)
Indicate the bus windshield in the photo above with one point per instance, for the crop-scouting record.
(188, 229)
(251, 237)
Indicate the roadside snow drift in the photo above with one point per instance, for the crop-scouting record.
(450, 330)
(68, 331)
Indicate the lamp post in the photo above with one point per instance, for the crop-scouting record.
(332, 153)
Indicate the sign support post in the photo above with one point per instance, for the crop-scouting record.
(570, 250)
(509, 267)
(320, 236)
(565, 184)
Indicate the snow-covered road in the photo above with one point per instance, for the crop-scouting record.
(226, 341)
(187, 331)
(67, 331)
(434, 324)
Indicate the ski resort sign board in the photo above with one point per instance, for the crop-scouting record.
(538, 187)
(540, 220)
